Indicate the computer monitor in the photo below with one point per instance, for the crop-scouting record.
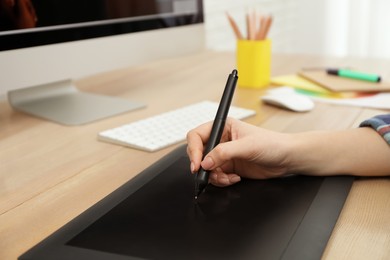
(45, 45)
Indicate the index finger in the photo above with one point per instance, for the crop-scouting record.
(196, 139)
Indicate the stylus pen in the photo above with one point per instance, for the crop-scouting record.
(202, 177)
(354, 75)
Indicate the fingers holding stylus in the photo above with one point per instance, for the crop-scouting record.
(221, 179)
(196, 139)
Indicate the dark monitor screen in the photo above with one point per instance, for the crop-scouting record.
(27, 23)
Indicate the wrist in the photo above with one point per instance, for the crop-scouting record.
(360, 152)
(309, 154)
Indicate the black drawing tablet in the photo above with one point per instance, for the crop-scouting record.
(154, 216)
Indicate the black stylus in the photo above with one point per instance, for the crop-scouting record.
(202, 177)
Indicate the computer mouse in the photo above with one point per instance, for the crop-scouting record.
(293, 102)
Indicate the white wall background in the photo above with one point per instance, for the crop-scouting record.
(332, 27)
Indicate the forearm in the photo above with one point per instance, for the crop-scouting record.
(360, 152)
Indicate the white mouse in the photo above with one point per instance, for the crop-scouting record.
(294, 102)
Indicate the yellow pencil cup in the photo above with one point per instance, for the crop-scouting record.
(254, 63)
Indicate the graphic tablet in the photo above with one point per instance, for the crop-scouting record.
(155, 216)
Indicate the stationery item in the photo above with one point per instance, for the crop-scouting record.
(370, 100)
(235, 28)
(340, 84)
(254, 63)
(253, 24)
(296, 81)
(249, 27)
(257, 26)
(268, 23)
(307, 87)
(254, 51)
(202, 177)
(265, 25)
(354, 74)
(357, 99)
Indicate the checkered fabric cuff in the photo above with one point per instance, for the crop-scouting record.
(381, 124)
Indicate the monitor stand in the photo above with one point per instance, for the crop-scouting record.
(63, 103)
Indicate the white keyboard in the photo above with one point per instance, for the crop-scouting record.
(157, 132)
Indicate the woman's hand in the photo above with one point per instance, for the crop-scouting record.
(244, 151)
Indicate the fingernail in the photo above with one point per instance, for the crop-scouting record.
(192, 167)
(236, 179)
(207, 163)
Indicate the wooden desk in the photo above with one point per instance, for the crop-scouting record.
(51, 173)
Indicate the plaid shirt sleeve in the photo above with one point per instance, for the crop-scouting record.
(381, 124)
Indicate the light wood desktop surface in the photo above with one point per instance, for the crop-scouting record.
(51, 173)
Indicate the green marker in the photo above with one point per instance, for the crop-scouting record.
(354, 75)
